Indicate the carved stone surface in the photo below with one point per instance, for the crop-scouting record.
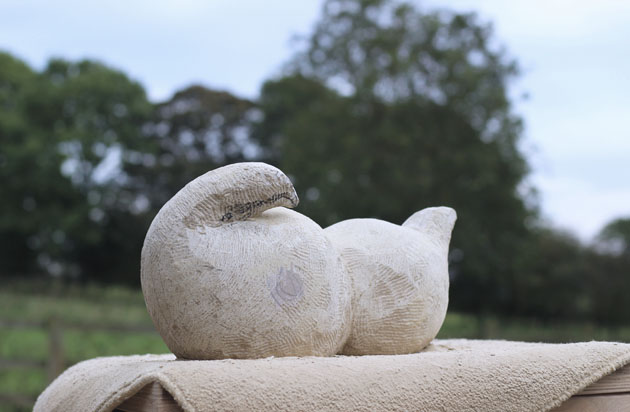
(400, 280)
(226, 276)
(229, 272)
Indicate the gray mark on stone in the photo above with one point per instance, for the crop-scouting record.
(286, 286)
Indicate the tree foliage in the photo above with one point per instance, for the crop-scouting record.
(389, 110)
(197, 130)
(390, 51)
(615, 237)
(24, 154)
(66, 127)
(87, 161)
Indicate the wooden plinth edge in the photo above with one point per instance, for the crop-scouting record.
(611, 393)
(616, 382)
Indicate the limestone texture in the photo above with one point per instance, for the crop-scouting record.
(229, 272)
(399, 280)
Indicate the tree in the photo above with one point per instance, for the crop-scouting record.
(72, 125)
(389, 110)
(195, 131)
(29, 173)
(87, 161)
(389, 51)
(96, 115)
(615, 237)
(609, 272)
(555, 283)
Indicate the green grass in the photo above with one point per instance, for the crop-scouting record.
(459, 325)
(74, 306)
(118, 306)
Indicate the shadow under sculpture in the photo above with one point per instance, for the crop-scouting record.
(229, 271)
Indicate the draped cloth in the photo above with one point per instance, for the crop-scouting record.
(449, 375)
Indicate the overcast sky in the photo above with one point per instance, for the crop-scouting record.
(575, 55)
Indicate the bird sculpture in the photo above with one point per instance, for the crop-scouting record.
(228, 270)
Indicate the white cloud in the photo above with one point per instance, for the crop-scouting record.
(582, 207)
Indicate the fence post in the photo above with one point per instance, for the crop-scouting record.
(55, 348)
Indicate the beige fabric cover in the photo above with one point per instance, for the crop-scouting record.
(451, 375)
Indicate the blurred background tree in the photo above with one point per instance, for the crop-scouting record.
(65, 137)
(87, 161)
(96, 115)
(615, 237)
(388, 111)
(197, 130)
(30, 174)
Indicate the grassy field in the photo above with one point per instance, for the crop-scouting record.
(86, 307)
(89, 307)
